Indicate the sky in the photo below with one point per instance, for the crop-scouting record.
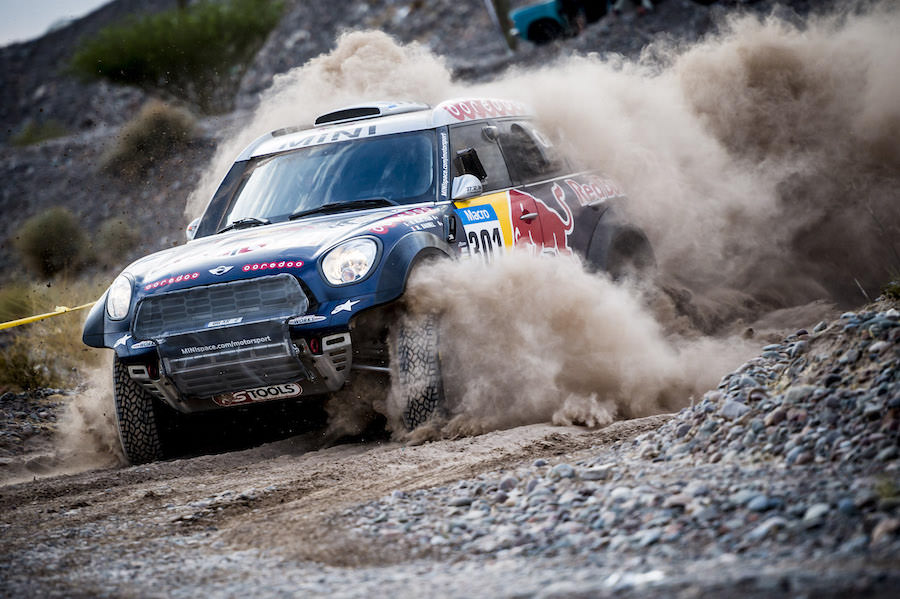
(22, 20)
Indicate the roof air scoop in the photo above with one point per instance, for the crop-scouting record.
(368, 111)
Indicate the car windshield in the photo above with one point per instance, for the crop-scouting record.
(397, 169)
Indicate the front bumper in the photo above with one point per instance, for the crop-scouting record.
(212, 380)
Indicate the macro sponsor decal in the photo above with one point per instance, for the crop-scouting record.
(259, 394)
(307, 319)
(416, 219)
(226, 322)
(220, 270)
(595, 191)
(483, 232)
(171, 280)
(272, 265)
(482, 109)
(488, 217)
(202, 349)
(548, 232)
(143, 345)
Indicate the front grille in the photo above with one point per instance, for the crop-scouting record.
(199, 308)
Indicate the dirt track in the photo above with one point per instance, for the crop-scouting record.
(73, 535)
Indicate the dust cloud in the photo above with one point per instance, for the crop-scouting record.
(530, 339)
(88, 437)
(763, 162)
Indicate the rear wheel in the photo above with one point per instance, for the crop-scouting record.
(416, 378)
(630, 255)
(137, 418)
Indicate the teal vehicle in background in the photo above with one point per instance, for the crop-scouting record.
(543, 22)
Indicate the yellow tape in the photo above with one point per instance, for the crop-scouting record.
(59, 310)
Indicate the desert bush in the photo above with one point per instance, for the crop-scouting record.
(49, 353)
(197, 53)
(158, 131)
(19, 370)
(52, 241)
(35, 132)
(114, 240)
(892, 289)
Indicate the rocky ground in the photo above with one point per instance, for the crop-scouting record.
(783, 481)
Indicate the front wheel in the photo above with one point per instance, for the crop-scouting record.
(416, 378)
(137, 418)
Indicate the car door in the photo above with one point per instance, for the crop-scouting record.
(543, 213)
(494, 220)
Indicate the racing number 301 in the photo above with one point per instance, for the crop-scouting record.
(484, 241)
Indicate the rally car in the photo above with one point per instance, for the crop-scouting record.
(292, 280)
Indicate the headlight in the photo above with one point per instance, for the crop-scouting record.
(350, 261)
(118, 300)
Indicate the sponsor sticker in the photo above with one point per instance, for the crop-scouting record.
(345, 307)
(307, 319)
(222, 323)
(483, 232)
(269, 393)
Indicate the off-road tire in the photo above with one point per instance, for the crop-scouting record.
(137, 418)
(630, 255)
(416, 378)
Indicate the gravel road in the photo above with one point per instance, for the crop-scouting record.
(783, 481)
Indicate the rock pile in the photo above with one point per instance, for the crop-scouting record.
(793, 457)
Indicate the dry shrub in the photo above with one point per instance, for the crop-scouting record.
(47, 353)
(157, 132)
(114, 241)
(52, 241)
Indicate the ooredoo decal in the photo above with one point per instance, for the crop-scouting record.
(272, 265)
(259, 394)
(171, 280)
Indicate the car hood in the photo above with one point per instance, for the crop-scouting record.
(279, 247)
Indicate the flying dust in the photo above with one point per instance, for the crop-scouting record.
(763, 162)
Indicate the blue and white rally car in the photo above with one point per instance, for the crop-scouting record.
(293, 279)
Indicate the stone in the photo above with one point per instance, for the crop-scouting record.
(733, 410)
(761, 503)
(766, 528)
(509, 483)
(562, 471)
(460, 501)
(775, 417)
(815, 514)
(885, 529)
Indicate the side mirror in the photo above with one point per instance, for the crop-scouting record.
(191, 230)
(465, 187)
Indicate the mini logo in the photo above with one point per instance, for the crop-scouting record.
(219, 270)
(345, 307)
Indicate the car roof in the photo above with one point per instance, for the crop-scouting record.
(383, 118)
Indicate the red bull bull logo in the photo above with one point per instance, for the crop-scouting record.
(537, 225)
